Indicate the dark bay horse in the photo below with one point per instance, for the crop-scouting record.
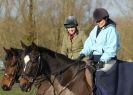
(12, 68)
(55, 68)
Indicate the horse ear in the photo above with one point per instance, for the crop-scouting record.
(23, 45)
(5, 49)
(34, 45)
(11, 48)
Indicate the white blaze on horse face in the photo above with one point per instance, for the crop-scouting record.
(26, 60)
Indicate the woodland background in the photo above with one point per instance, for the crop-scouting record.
(41, 21)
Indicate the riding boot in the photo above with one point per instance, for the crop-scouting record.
(94, 88)
(93, 67)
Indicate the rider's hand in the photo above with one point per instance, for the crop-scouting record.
(100, 65)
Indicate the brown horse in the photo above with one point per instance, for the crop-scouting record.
(55, 68)
(12, 68)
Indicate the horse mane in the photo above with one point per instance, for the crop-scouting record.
(16, 50)
(55, 54)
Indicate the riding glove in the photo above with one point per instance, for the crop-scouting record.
(100, 65)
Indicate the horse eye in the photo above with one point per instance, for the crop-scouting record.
(35, 58)
(7, 57)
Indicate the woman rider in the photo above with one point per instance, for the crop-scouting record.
(73, 39)
(103, 41)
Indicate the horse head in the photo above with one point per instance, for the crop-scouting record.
(12, 68)
(31, 66)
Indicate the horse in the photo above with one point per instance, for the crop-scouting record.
(12, 66)
(56, 69)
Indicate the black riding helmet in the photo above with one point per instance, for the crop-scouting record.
(70, 21)
(100, 13)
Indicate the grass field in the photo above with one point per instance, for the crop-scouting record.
(15, 90)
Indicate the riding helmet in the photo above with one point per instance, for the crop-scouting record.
(100, 13)
(70, 21)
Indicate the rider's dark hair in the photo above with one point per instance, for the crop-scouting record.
(109, 21)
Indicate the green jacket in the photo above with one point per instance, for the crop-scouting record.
(72, 49)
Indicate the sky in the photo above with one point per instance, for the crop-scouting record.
(114, 7)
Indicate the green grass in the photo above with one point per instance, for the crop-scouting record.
(16, 90)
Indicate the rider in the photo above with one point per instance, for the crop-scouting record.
(103, 41)
(73, 39)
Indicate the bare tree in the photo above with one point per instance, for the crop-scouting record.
(42, 20)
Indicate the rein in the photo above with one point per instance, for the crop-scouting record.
(56, 74)
(13, 75)
(73, 79)
(39, 68)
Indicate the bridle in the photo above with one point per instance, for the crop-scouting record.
(48, 75)
(31, 81)
(16, 69)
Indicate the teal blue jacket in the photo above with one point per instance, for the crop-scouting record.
(107, 43)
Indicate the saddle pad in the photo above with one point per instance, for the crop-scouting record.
(117, 81)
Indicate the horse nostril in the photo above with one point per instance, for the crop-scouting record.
(25, 88)
(6, 88)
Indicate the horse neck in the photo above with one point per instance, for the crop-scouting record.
(59, 66)
(54, 62)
